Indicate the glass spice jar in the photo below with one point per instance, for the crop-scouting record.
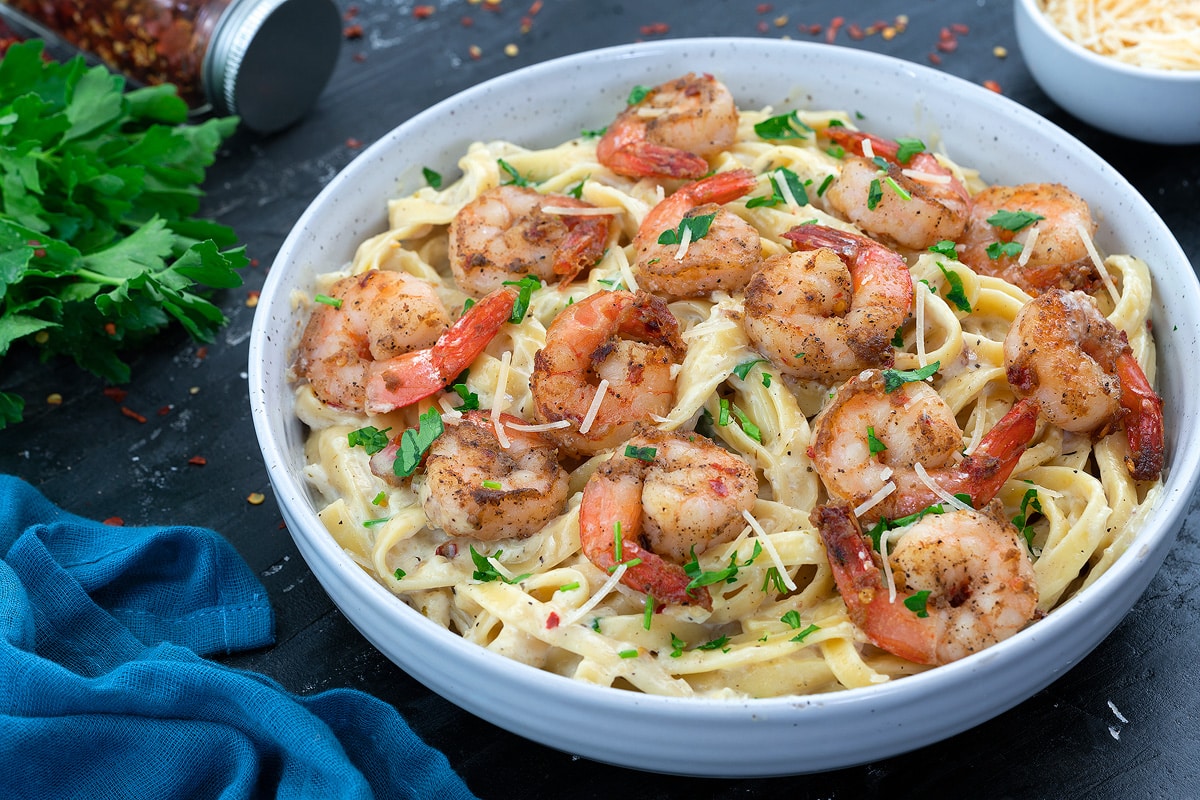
(264, 60)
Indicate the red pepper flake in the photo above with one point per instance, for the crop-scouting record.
(655, 28)
(552, 620)
(764, 8)
(162, 412)
(474, 52)
(466, 22)
(762, 26)
(815, 29)
(934, 58)
(353, 143)
(526, 24)
(254, 263)
(117, 395)
(535, 7)
(198, 461)
(351, 13)
(202, 353)
(447, 550)
(353, 31)
(992, 85)
(116, 522)
(854, 31)
(422, 12)
(133, 415)
(110, 328)
(835, 25)
(359, 57)
(960, 28)
(948, 45)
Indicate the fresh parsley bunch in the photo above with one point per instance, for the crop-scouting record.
(99, 248)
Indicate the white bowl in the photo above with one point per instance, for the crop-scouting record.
(551, 102)
(1149, 105)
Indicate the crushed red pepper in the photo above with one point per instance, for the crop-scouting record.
(133, 415)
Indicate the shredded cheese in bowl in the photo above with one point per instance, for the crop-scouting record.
(1159, 34)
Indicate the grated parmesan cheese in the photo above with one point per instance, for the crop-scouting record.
(594, 408)
(925, 177)
(599, 595)
(875, 499)
(684, 243)
(583, 211)
(943, 495)
(785, 190)
(1159, 34)
(1094, 254)
(501, 399)
(1027, 248)
(538, 427)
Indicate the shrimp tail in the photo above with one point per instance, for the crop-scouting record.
(1143, 421)
(852, 141)
(721, 187)
(811, 236)
(582, 247)
(644, 158)
(889, 625)
(401, 381)
(610, 512)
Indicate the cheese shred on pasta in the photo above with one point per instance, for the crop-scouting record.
(551, 607)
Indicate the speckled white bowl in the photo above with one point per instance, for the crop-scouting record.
(553, 101)
(1150, 105)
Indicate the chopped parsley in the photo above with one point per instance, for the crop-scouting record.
(1029, 503)
(824, 185)
(637, 94)
(576, 191)
(486, 571)
(628, 653)
(784, 126)
(369, 438)
(743, 369)
(908, 148)
(648, 612)
(804, 634)
(399, 573)
(773, 580)
(794, 186)
(916, 603)
(748, 427)
(333, 302)
(514, 177)
(955, 292)
(1013, 220)
(884, 524)
(677, 646)
(874, 194)
(728, 574)
(640, 453)
(470, 399)
(873, 444)
(893, 379)
(945, 248)
(413, 444)
(1001, 249)
(434, 179)
(720, 643)
(525, 289)
(697, 227)
(898, 337)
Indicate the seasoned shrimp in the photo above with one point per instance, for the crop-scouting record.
(375, 316)
(614, 348)
(1045, 223)
(1077, 366)
(507, 233)
(671, 130)
(476, 487)
(963, 582)
(667, 495)
(827, 314)
(913, 425)
(913, 204)
(719, 249)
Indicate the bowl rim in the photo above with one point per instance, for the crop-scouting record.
(1125, 579)
(1038, 18)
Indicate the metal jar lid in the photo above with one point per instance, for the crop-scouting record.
(270, 59)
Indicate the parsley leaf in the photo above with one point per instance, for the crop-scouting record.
(728, 574)
(955, 292)
(916, 603)
(1021, 520)
(790, 180)
(743, 369)
(525, 289)
(637, 94)
(434, 179)
(873, 443)
(908, 148)
(696, 226)
(893, 379)
(413, 444)
(100, 248)
(874, 194)
(486, 571)
(369, 438)
(640, 453)
(514, 178)
(1013, 220)
(945, 248)
(784, 126)
(1000, 249)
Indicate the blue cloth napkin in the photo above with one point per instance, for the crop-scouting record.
(104, 691)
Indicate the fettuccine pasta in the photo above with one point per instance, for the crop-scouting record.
(778, 624)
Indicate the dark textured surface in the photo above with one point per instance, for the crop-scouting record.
(1124, 723)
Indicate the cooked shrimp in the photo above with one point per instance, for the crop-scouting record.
(1047, 222)
(506, 233)
(476, 487)
(1077, 366)
(405, 379)
(671, 130)
(724, 256)
(914, 426)
(827, 314)
(913, 204)
(619, 347)
(679, 494)
(963, 580)
(375, 316)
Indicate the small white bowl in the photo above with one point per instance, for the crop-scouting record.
(551, 102)
(1149, 105)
